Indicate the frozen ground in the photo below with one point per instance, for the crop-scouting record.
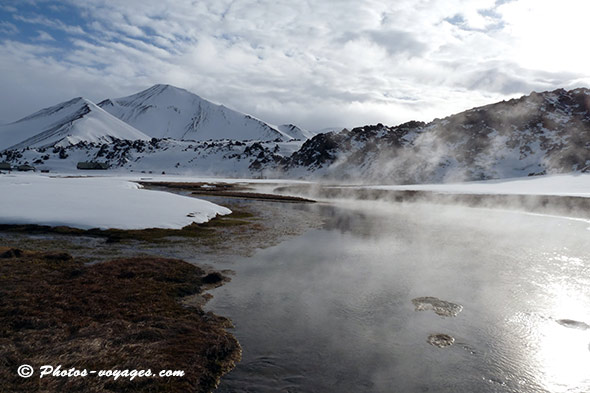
(97, 202)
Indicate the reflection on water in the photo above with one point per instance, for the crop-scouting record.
(331, 310)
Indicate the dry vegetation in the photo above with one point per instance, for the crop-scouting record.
(120, 314)
(225, 190)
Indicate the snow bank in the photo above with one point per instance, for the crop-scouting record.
(154, 178)
(564, 185)
(100, 202)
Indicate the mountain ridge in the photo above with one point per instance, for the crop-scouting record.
(536, 134)
(161, 111)
(165, 111)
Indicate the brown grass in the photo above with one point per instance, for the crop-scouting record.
(121, 314)
(255, 195)
(204, 230)
(225, 190)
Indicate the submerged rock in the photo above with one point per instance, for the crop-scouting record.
(440, 307)
(570, 323)
(440, 340)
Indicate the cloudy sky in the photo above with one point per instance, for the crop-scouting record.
(314, 63)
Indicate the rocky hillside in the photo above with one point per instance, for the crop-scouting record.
(536, 134)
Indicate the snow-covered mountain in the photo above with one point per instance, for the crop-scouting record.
(165, 111)
(64, 124)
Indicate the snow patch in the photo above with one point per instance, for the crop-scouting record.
(97, 202)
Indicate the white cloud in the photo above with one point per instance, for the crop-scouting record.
(310, 62)
(553, 35)
(43, 36)
(55, 24)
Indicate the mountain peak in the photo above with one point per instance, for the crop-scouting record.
(52, 110)
(69, 122)
(165, 88)
(160, 87)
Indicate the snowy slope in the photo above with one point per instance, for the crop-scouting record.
(64, 124)
(296, 132)
(165, 111)
(97, 203)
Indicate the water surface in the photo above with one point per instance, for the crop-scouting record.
(331, 310)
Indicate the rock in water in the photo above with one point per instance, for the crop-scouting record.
(440, 307)
(570, 323)
(440, 340)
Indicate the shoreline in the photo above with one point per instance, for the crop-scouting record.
(61, 265)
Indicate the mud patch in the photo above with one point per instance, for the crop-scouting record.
(440, 307)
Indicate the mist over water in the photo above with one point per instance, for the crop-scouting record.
(332, 310)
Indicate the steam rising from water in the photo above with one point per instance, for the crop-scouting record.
(332, 310)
